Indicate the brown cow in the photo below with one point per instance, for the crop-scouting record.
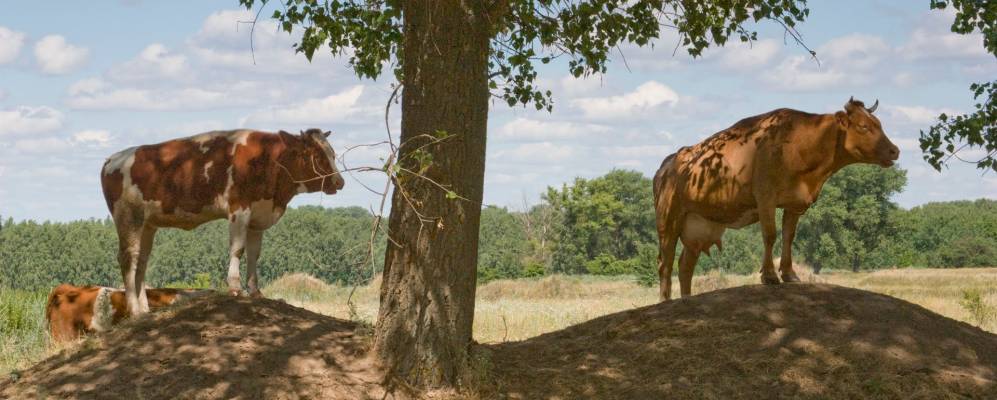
(740, 175)
(245, 176)
(73, 311)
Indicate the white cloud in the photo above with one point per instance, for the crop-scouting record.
(907, 144)
(654, 151)
(95, 137)
(153, 62)
(26, 120)
(917, 115)
(933, 39)
(748, 54)
(224, 41)
(855, 52)
(531, 129)
(92, 138)
(847, 60)
(10, 44)
(646, 97)
(572, 86)
(542, 152)
(338, 108)
(42, 145)
(56, 56)
(660, 55)
(800, 73)
(96, 94)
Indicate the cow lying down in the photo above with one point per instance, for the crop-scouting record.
(74, 310)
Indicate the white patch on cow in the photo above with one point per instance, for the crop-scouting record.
(103, 310)
(202, 138)
(117, 160)
(207, 167)
(238, 138)
(122, 162)
(329, 153)
(238, 225)
(221, 201)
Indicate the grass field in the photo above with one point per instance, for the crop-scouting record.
(518, 309)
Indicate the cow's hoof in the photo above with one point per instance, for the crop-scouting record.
(234, 292)
(790, 277)
(770, 279)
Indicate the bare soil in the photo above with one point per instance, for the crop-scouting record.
(217, 347)
(788, 341)
(756, 342)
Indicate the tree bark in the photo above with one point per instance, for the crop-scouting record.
(423, 330)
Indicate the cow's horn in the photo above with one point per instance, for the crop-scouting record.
(874, 107)
(851, 99)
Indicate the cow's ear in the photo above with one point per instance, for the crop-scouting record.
(286, 137)
(842, 118)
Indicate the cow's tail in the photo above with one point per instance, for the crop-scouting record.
(665, 186)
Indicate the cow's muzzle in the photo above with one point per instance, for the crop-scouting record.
(889, 156)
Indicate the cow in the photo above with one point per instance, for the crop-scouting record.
(73, 311)
(741, 174)
(245, 176)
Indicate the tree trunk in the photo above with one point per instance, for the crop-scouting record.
(423, 330)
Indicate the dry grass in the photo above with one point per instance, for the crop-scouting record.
(511, 310)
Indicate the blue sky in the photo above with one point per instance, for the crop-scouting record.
(79, 84)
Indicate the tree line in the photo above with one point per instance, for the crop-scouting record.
(602, 226)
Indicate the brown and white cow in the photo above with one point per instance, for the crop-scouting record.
(74, 310)
(740, 175)
(245, 176)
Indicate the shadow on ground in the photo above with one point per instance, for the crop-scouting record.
(218, 347)
(788, 341)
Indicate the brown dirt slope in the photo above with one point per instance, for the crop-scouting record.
(787, 341)
(218, 347)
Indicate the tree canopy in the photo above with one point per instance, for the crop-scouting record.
(531, 32)
(977, 129)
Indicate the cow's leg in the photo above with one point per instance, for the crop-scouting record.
(789, 220)
(129, 223)
(145, 249)
(766, 216)
(237, 230)
(254, 241)
(687, 264)
(666, 258)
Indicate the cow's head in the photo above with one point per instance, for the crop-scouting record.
(864, 137)
(315, 166)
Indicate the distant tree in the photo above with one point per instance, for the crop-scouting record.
(502, 245)
(950, 234)
(609, 216)
(977, 129)
(851, 217)
(539, 224)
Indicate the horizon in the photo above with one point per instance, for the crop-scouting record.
(75, 90)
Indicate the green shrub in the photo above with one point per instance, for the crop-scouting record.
(978, 309)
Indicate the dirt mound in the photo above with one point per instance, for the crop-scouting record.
(786, 341)
(218, 347)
